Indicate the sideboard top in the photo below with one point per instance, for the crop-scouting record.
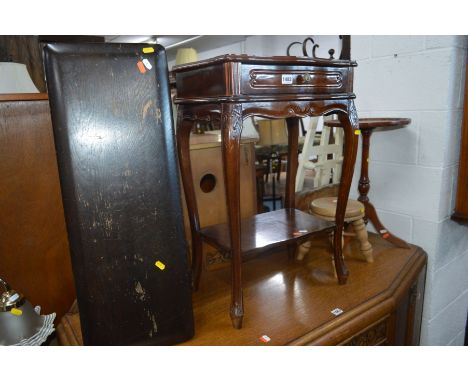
(23, 97)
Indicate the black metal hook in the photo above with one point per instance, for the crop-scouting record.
(345, 51)
(304, 47)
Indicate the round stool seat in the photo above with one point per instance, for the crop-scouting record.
(326, 208)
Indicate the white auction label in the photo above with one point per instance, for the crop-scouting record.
(147, 64)
(286, 79)
(336, 311)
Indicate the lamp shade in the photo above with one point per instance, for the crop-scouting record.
(186, 55)
(14, 78)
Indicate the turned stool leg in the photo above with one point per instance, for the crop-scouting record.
(303, 250)
(332, 239)
(362, 236)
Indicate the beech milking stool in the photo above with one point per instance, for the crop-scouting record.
(325, 208)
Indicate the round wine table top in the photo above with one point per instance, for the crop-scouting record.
(373, 123)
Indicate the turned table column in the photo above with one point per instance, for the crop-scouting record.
(367, 126)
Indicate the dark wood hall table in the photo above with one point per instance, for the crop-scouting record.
(367, 126)
(227, 89)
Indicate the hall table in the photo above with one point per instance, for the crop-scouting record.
(367, 126)
(227, 89)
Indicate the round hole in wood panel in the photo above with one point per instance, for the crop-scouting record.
(208, 183)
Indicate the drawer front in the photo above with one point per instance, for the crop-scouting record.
(202, 82)
(294, 80)
(375, 334)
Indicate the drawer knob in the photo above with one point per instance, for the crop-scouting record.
(304, 79)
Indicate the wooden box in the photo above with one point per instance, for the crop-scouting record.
(207, 170)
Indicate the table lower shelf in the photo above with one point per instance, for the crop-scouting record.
(267, 230)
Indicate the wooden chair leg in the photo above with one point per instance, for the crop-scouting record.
(278, 169)
(361, 234)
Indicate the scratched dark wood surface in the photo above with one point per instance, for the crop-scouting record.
(118, 170)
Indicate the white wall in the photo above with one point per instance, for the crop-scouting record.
(413, 170)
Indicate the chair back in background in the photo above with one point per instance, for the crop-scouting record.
(323, 153)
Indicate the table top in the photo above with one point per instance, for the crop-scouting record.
(272, 60)
(243, 78)
(373, 123)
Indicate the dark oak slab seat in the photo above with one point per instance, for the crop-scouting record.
(269, 229)
(291, 301)
(114, 140)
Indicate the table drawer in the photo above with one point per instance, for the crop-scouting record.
(294, 80)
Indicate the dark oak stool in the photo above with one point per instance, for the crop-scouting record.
(116, 154)
(227, 89)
